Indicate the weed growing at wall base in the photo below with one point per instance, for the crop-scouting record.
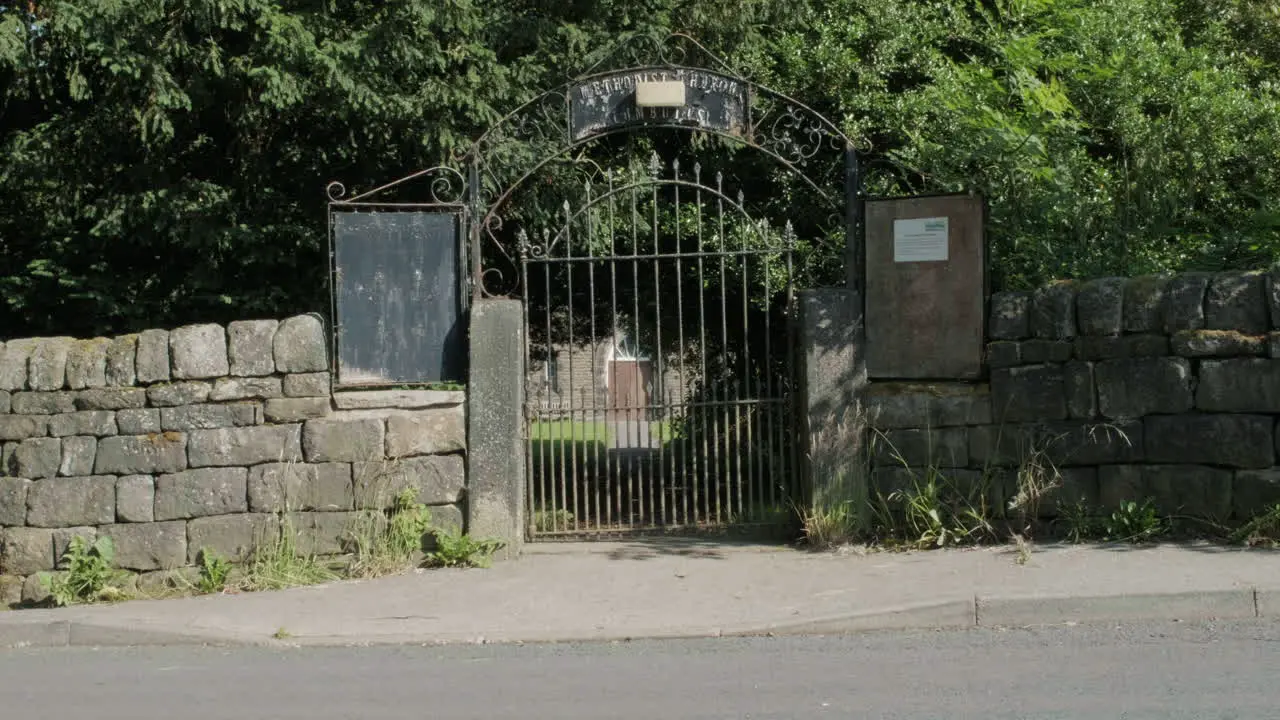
(89, 576)
(276, 564)
(214, 570)
(457, 550)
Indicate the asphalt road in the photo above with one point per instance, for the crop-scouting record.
(1201, 671)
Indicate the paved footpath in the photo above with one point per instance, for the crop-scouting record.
(657, 589)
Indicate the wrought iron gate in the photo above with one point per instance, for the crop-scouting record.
(658, 389)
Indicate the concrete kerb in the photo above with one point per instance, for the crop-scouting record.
(977, 611)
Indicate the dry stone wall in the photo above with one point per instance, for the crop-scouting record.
(1154, 387)
(171, 442)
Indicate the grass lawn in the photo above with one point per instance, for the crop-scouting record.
(579, 431)
(573, 431)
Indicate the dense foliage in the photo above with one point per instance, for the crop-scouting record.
(164, 160)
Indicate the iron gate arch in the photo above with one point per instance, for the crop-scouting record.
(500, 244)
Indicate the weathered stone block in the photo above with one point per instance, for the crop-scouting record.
(1099, 307)
(203, 492)
(1141, 386)
(207, 417)
(152, 361)
(13, 363)
(1144, 303)
(250, 349)
(343, 440)
(427, 432)
(283, 410)
(47, 367)
(142, 454)
(245, 445)
(1010, 316)
(71, 501)
(87, 364)
(10, 591)
(1239, 385)
(1076, 485)
(1217, 343)
(13, 500)
(307, 385)
(246, 389)
(88, 422)
(179, 393)
(111, 399)
(5, 400)
(1118, 484)
(1004, 353)
(149, 546)
(135, 499)
(398, 399)
(35, 591)
(438, 480)
(1193, 490)
(78, 453)
(1035, 352)
(1239, 441)
(279, 487)
(1097, 347)
(942, 447)
(1053, 311)
(198, 352)
(1029, 393)
(904, 405)
(445, 517)
(122, 355)
(1254, 492)
(62, 538)
(138, 422)
(1184, 307)
(1066, 444)
(234, 537)
(160, 584)
(1146, 345)
(34, 458)
(325, 533)
(43, 403)
(1082, 395)
(21, 427)
(299, 346)
(1237, 301)
(26, 550)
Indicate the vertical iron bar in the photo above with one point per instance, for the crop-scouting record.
(637, 493)
(572, 490)
(553, 445)
(787, 408)
(680, 451)
(744, 419)
(612, 460)
(770, 468)
(532, 505)
(701, 416)
(658, 478)
(724, 508)
(593, 418)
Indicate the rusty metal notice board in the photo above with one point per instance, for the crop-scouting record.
(397, 298)
(926, 281)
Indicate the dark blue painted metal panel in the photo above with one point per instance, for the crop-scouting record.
(398, 298)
